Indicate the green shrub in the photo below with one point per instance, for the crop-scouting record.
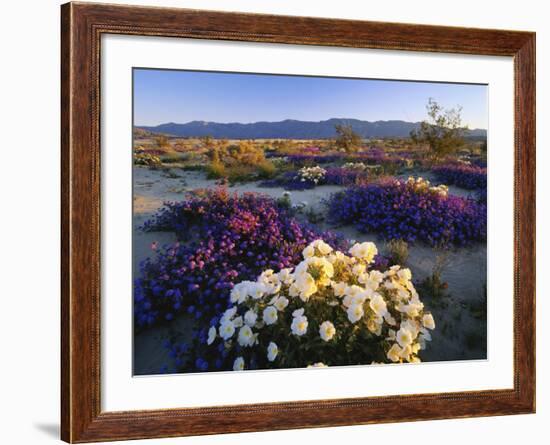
(240, 162)
(284, 201)
(241, 173)
(244, 153)
(266, 170)
(285, 146)
(171, 158)
(390, 168)
(162, 141)
(216, 170)
(194, 167)
(143, 158)
(434, 286)
(398, 250)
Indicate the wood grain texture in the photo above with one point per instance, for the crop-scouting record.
(81, 28)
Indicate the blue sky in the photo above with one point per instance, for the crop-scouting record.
(162, 96)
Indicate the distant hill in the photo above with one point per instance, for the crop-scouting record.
(290, 129)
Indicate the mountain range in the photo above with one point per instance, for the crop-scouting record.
(291, 129)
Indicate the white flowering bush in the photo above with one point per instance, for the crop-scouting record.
(331, 309)
(355, 166)
(423, 185)
(311, 174)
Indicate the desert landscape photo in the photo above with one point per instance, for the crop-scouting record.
(304, 222)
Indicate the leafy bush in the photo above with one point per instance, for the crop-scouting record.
(243, 153)
(443, 131)
(224, 238)
(239, 163)
(411, 210)
(194, 167)
(346, 138)
(216, 170)
(433, 285)
(329, 310)
(171, 158)
(398, 251)
(141, 157)
(285, 146)
(162, 141)
(266, 169)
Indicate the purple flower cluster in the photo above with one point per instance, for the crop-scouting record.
(345, 176)
(289, 181)
(372, 156)
(376, 156)
(479, 162)
(481, 195)
(234, 238)
(310, 159)
(467, 176)
(333, 176)
(397, 210)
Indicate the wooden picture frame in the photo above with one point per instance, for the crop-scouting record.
(82, 25)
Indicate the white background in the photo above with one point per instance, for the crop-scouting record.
(121, 392)
(29, 183)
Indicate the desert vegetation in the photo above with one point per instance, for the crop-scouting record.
(310, 252)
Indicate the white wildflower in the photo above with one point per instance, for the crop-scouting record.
(327, 330)
(270, 315)
(281, 303)
(246, 336)
(227, 329)
(250, 317)
(299, 325)
(272, 351)
(318, 365)
(366, 251)
(238, 364)
(428, 321)
(404, 337)
(355, 312)
(211, 335)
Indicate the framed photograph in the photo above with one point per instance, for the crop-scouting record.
(275, 222)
